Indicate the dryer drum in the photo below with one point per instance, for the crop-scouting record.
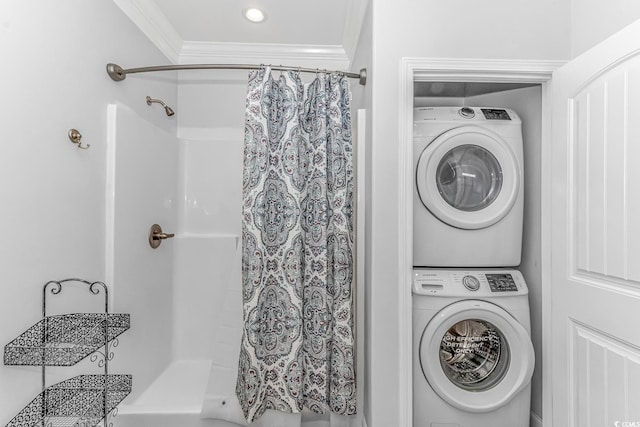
(474, 355)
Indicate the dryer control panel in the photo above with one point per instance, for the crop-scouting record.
(433, 121)
(466, 283)
(464, 114)
(495, 114)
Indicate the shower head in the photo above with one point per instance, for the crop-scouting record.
(167, 109)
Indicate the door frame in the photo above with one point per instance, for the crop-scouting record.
(465, 70)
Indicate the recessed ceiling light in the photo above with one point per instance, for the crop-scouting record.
(254, 15)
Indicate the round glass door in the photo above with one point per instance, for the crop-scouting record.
(474, 354)
(469, 178)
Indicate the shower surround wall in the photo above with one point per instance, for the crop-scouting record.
(141, 191)
(194, 311)
(211, 133)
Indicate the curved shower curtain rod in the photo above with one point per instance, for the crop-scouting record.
(118, 73)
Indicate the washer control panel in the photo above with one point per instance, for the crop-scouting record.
(501, 283)
(459, 282)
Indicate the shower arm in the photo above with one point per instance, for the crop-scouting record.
(167, 109)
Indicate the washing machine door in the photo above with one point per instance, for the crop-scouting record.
(468, 177)
(476, 356)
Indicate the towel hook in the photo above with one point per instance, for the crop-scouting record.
(76, 137)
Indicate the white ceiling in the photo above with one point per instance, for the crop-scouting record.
(188, 31)
(288, 21)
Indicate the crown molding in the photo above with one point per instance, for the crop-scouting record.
(146, 15)
(315, 56)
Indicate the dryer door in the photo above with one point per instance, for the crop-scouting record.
(468, 177)
(476, 356)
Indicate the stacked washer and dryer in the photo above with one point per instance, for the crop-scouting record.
(472, 353)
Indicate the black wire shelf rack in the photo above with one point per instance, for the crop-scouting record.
(77, 402)
(64, 340)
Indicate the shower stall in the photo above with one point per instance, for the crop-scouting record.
(184, 296)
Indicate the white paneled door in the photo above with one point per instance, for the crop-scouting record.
(595, 236)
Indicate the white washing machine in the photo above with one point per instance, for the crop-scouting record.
(467, 197)
(472, 352)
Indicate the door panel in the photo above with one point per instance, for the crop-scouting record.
(601, 122)
(604, 367)
(595, 201)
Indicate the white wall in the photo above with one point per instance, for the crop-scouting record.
(53, 194)
(497, 29)
(592, 21)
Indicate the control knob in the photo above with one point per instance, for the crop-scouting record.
(467, 112)
(471, 282)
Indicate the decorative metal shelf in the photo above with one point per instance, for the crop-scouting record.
(81, 401)
(64, 340)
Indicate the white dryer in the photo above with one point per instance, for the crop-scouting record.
(472, 352)
(467, 197)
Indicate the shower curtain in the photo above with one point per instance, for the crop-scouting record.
(297, 351)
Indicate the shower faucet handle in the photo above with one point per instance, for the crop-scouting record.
(163, 236)
(156, 236)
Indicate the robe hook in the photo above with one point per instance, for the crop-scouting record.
(76, 137)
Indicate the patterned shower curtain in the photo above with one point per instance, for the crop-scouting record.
(297, 348)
